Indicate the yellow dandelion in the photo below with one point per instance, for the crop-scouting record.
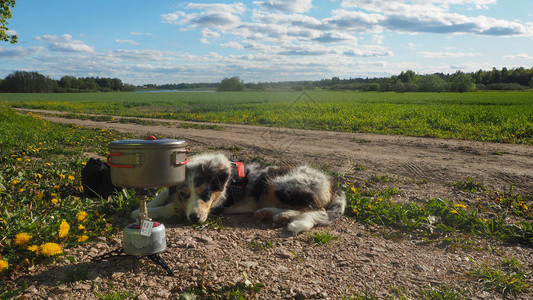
(54, 201)
(50, 249)
(369, 206)
(353, 189)
(28, 160)
(4, 265)
(21, 190)
(15, 182)
(22, 238)
(83, 163)
(39, 175)
(53, 195)
(19, 159)
(453, 211)
(39, 196)
(81, 227)
(56, 187)
(62, 176)
(83, 238)
(460, 205)
(33, 248)
(81, 216)
(70, 177)
(63, 229)
(48, 164)
(356, 211)
(524, 207)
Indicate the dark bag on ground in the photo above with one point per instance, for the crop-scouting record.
(96, 179)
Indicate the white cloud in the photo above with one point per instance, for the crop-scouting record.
(130, 42)
(19, 52)
(64, 43)
(286, 5)
(233, 45)
(444, 54)
(518, 56)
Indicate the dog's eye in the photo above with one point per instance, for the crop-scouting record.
(183, 195)
(205, 195)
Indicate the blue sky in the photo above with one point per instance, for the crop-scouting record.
(272, 40)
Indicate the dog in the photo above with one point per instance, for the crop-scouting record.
(301, 197)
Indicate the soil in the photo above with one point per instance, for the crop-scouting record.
(363, 258)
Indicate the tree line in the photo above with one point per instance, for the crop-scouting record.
(33, 82)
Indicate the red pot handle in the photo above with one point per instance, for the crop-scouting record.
(115, 165)
(181, 163)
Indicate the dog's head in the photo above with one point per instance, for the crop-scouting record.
(207, 176)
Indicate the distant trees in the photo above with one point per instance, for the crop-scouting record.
(33, 82)
(28, 82)
(462, 83)
(230, 84)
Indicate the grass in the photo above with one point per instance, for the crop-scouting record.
(435, 217)
(508, 277)
(484, 116)
(42, 207)
(323, 238)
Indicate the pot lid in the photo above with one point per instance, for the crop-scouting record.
(149, 142)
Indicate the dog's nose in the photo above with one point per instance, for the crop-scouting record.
(194, 218)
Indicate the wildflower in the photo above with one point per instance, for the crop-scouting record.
(453, 211)
(4, 265)
(54, 201)
(39, 175)
(19, 159)
(22, 238)
(353, 189)
(460, 205)
(62, 176)
(50, 249)
(56, 187)
(524, 207)
(63, 229)
(81, 227)
(70, 177)
(21, 190)
(83, 238)
(14, 182)
(33, 248)
(81, 216)
(39, 196)
(48, 164)
(356, 211)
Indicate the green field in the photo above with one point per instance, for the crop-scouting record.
(485, 116)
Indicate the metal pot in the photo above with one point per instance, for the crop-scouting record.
(147, 163)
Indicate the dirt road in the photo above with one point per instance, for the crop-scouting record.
(435, 160)
(363, 258)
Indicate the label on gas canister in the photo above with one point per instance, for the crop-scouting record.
(146, 228)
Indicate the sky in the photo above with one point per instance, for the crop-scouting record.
(164, 41)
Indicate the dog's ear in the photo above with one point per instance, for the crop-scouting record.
(219, 182)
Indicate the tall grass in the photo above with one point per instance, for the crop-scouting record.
(484, 116)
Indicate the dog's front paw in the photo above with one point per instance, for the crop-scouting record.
(281, 218)
(135, 215)
(263, 214)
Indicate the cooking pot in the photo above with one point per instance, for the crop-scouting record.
(147, 163)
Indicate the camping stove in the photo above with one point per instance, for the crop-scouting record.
(143, 164)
